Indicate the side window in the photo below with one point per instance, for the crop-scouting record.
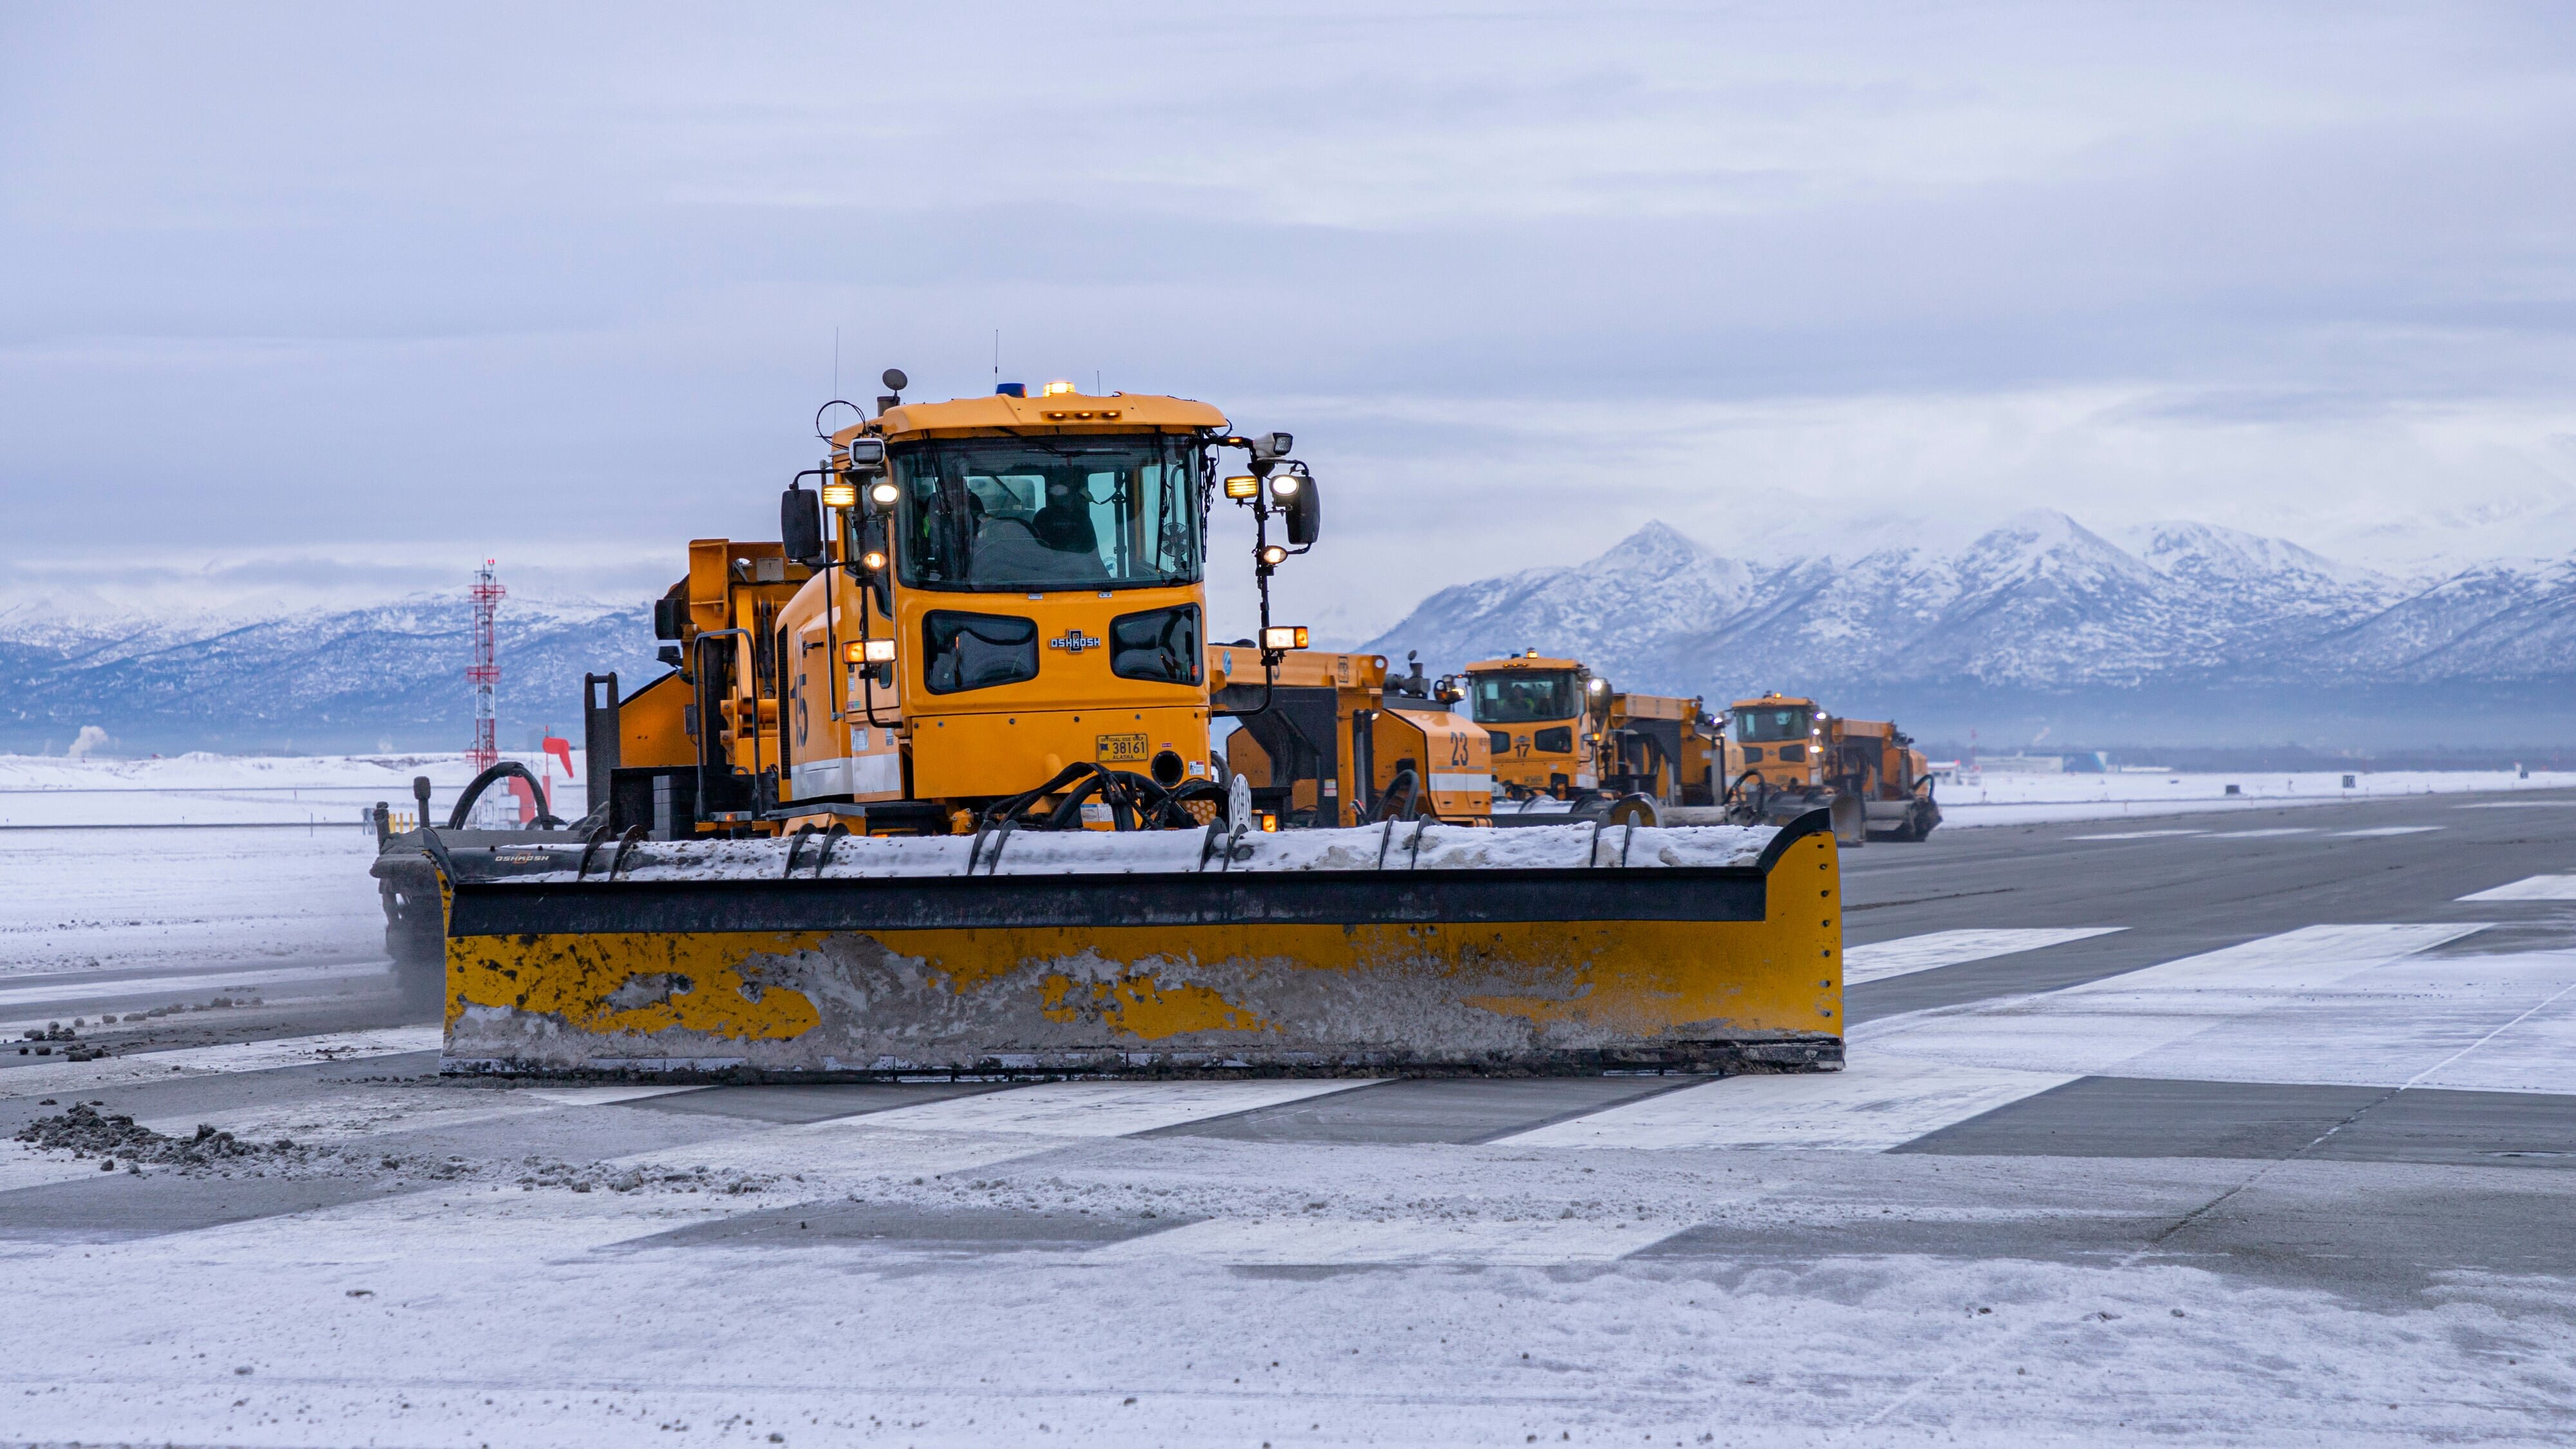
(1559, 740)
(976, 651)
(1499, 741)
(1160, 644)
(1793, 753)
(1753, 754)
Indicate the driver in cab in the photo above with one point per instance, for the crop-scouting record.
(1056, 544)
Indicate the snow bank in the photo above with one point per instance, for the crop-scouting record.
(1072, 852)
(209, 789)
(2002, 799)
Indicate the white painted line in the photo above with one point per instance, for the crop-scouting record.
(2261, 834)
(1103, 1109)
(2384, 830)
(141, 986)
(603, 1096)
(1280, 1242)
(2520, 805)
(348, 1113)
(811, 1160)
(24, 1166)
(1880, 960)
(2229, 1015)
(257, 1056)
(2137, 834)
(1876, 1102)
(2449, 1021)
(2531, 888)
(2241, 1013)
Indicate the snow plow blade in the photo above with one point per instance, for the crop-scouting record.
(1405, 948)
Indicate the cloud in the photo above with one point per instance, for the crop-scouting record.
(389, 292)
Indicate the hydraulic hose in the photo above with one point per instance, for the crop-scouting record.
(546, 818)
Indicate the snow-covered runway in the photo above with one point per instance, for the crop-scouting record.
(2246, 1156)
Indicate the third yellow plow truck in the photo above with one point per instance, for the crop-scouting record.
(1798, 758)
(1566, 745)
(931, 792)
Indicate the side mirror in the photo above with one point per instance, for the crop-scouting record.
(800, 525)
(1304, 513)
(667, 614)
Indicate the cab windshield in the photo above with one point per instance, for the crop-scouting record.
(1048, 513)
(1760, 723)
(1523, 696)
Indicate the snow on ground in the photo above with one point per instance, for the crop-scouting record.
(1562, 1287)
(233, 789)
(186, 900)
(2001, 799)
(207, 789)
(1308, 1294)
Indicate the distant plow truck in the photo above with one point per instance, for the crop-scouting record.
(1796, 758)
(1567, 745)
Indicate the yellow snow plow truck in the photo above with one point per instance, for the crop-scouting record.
(1566, 745)
(1333, 739)
(1797, 758)
(930, 791)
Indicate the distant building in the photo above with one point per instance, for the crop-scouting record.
(2022, 764)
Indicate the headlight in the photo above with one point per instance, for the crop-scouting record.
(872, 561)
(884, 495)
(870, 651)
(1241, 486)
(1274, 555)
(840, 495)
(1284, 486)
(1284, 636)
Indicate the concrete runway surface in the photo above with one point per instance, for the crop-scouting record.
(2241, 1128)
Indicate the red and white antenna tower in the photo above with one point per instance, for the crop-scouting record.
(485, 672)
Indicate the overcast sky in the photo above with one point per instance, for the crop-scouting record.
(345, 301)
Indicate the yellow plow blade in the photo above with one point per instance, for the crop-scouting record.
(1221, 969)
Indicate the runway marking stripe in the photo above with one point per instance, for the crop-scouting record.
(2325, 1004)
(2262, 834)
(58, 989)
(1875, 1103)
(23, 1166)
(2386, 830)
(2137, 834)
(603, 1096)
(830, 1157)
(1907, 955)
(256, 1056)
(1099, 1109)
(1264, 1242)
(1917, 1073)
(2530, 888)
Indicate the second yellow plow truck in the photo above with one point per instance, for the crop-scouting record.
(1798, 758)
(1333, 739)
(931, 792)
(1565, 744)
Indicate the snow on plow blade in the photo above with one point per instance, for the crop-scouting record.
(1379, 949)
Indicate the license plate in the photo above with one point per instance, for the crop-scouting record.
(1121, 749)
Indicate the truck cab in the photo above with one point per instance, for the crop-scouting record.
(1539, 715)
(985, 599)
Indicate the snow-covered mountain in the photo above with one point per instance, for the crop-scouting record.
(2191, 634)
(320, 680)
(2178, 633)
